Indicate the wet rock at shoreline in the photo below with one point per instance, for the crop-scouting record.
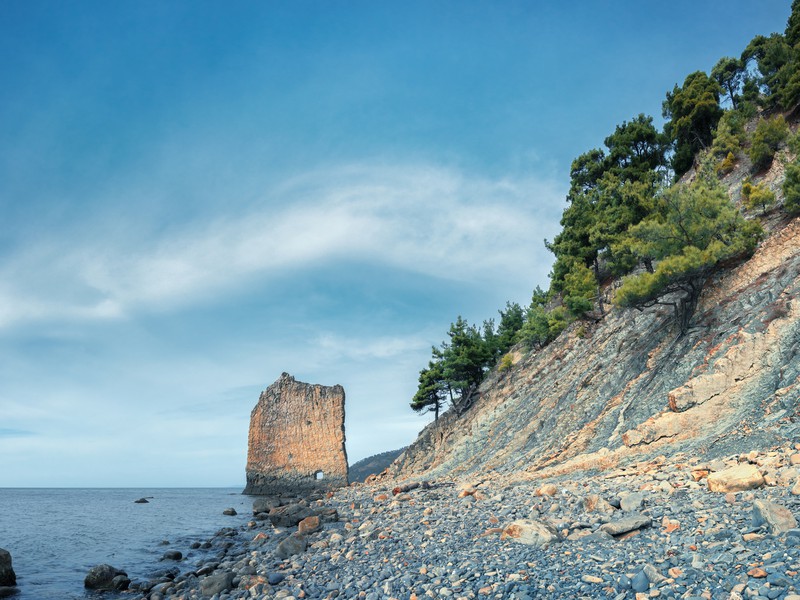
(7, 576)
(289, 515)
(671, 542)
(216, 584)
(230, 512)
(106, 578)
(172, 555)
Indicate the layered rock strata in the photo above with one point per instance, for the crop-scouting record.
(296, 441)
(631, 385)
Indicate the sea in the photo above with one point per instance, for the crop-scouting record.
(56, 535)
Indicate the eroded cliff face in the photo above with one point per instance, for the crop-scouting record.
(630, 385)
(296, 442)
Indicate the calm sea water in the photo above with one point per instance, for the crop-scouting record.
(56, 535)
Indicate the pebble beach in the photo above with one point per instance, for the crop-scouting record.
(665, 528)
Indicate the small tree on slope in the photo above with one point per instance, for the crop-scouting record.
(695, 228)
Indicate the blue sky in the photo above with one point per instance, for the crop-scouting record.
(198, 196)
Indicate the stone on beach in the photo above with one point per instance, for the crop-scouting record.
(264, 504)
(216, 584)
(309, 525)
(626, 524)
(294, 544)
(289, 515)
(736, 479)
(106, 578)
(533, 532)
(777, 518)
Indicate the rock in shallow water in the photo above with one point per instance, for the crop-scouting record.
(107, 578)
(172, 555)
(7, 575)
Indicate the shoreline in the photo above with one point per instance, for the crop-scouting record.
(653, 529)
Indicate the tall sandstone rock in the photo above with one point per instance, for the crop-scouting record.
(296, 442)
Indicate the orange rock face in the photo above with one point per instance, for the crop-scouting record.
(296, 442)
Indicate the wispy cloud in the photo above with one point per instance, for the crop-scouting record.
(434, 221)
(371, 348)
(6, 432)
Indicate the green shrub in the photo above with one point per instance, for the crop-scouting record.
(767, 138)
(793, 142)
(729, 136)
(580, 289)
(727, 165)
(543, 326)
(557, 321)
(758, 195)
(791, 188)
(506, 363)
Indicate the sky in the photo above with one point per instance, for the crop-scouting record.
(198, 196)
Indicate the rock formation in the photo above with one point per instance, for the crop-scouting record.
(631, 386)
(296, 441)
(7, 576)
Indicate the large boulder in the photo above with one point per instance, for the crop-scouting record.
(631, 502)
(106, 578)
(7, 575)
(265, 504)
(289, 515)
(294, 544)
(532, 532)
(598, 504)
(777, 518)
(309, 525)
(216, 584)
(626, 524)
(736, 479)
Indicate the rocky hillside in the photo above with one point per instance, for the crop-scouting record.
(372, 465)
(630, 386)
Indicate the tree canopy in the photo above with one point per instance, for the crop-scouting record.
(460, 363)
(623, 219)
(693, 112)
(609, 192)
(692, 230)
